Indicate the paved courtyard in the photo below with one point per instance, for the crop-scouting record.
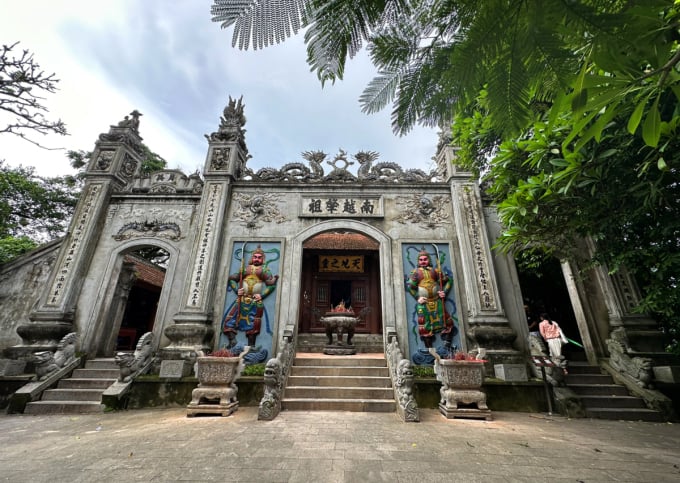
(165, 445)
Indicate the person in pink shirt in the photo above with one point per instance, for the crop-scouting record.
(552, 334)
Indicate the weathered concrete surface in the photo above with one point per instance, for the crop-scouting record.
(165, 445)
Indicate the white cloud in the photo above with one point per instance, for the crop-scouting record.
(178, 68)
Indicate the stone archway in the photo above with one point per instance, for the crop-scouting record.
(129, 280)
(292, 281)
(340, 267)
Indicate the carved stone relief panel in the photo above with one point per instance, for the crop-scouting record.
(206, 242)
(83, 220)
(134, 221)
(220, 159)
(427, 211)
(104, 159)
(475, 224)
(254, 209)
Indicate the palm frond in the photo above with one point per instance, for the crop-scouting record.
(379, 92)
(394, 47)
(261, 23)
(339, 30)
(508, 83)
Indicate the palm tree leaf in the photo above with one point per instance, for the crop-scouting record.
(379, 92)
(261, 23)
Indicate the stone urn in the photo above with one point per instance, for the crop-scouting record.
(339, 324)
(462, 395)
(216, 392)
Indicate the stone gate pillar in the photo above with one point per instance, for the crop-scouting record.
(116, 158)
(487, 324)
(227, 154)
(609, 301)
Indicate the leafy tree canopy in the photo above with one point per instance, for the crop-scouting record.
(433, 56)
(22, 87)
(569, 109)
(33, 209)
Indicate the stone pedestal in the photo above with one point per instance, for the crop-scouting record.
(216, 393)
(461, 393)
(511, 372)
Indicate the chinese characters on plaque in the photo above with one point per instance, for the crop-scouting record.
(341, 206)
(341, 263)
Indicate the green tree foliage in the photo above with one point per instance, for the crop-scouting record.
(575, 129)
(22, 86)
(433, 56)
(11, 247)
(613, 191)
(33, 209)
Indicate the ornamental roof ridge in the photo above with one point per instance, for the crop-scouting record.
(368, 171)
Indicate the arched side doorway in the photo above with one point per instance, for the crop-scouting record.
(133, 287)
(143, 293)
(544, 289)
(340, 267)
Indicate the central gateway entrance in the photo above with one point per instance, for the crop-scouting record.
(340, 268)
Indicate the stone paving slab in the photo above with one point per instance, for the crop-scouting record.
(164, 445)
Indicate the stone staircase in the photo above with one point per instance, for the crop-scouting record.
(80, 393)
(358, 383)
(363, 343)
(603, 399)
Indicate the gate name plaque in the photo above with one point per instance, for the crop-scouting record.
(341, 206)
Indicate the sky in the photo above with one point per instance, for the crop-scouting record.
(176, 66)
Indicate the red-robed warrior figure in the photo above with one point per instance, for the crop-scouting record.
(252, 284)
(429, 286)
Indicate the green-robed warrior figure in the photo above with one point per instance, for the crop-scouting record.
(429, 286)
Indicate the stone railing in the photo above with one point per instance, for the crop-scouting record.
(401, 373)
(275, 377)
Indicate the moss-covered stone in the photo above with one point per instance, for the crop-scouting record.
(500, 395)
(151, 391)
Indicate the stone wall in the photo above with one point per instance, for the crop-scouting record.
(20, 283)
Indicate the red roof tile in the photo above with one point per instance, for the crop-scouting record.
(341, 241)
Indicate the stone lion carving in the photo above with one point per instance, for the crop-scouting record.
(271, 400)
(404, 384)
(639, 368)
(133, 364)
(401, 372)
(47, 362)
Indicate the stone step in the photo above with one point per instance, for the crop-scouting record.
(63, 407)
(78, 383)
(602, 399)
(104, 363)
(340, 381)
(363, 343)
(339, 371)
(96, 373)
(93, 395)
(353, 405)
(328, 392)
(587, 379)
(340, 361)
(583, 368)
(625, 414)
(612, 402)
(598, 389)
